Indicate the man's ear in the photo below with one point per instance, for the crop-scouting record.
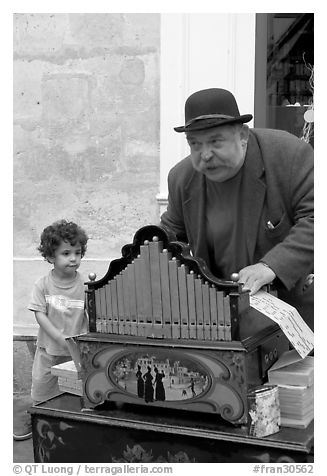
(244, 133)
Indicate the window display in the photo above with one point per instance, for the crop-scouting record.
(284, 71)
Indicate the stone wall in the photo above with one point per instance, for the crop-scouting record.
(86, 134)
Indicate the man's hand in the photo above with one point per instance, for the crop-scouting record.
(256, 276)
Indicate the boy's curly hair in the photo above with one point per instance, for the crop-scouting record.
(61, 230)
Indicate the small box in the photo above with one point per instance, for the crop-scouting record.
(264, 411)
(73, 386)
(68, 377)
(66, 369)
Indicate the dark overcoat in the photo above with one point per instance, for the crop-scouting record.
(277, 187)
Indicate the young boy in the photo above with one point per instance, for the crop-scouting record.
(58, 303)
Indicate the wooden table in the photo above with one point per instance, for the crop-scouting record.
(64, 432)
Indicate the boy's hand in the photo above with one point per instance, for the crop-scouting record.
(62, 341)
(256, 276)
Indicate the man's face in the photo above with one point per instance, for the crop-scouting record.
(219, 152)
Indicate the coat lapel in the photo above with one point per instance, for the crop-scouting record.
(195, 214)
(253, 194)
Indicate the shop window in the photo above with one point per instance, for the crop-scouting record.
(284, 70)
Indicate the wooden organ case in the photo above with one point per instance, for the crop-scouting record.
(165, 332)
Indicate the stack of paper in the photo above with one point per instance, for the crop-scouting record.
(294, 377)
(296, 404)
(290, 369)
(68, 377)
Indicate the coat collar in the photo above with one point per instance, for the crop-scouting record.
(253, 191)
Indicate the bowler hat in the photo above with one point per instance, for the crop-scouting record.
(211, 108)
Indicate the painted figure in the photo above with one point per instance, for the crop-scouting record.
(148, 386)
(192, 387)
(160, 393)
(140, 382)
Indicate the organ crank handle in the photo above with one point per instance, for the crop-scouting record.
(235, 278)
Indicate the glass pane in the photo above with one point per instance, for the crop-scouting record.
(288, 72)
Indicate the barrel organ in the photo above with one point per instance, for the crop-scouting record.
(165, 332)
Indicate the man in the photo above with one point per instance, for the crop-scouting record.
(243, 199)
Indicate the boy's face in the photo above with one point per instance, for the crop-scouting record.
(67, 259)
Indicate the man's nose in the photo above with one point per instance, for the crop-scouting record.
(206, 154)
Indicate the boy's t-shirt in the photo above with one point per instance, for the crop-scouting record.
(63, 303)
